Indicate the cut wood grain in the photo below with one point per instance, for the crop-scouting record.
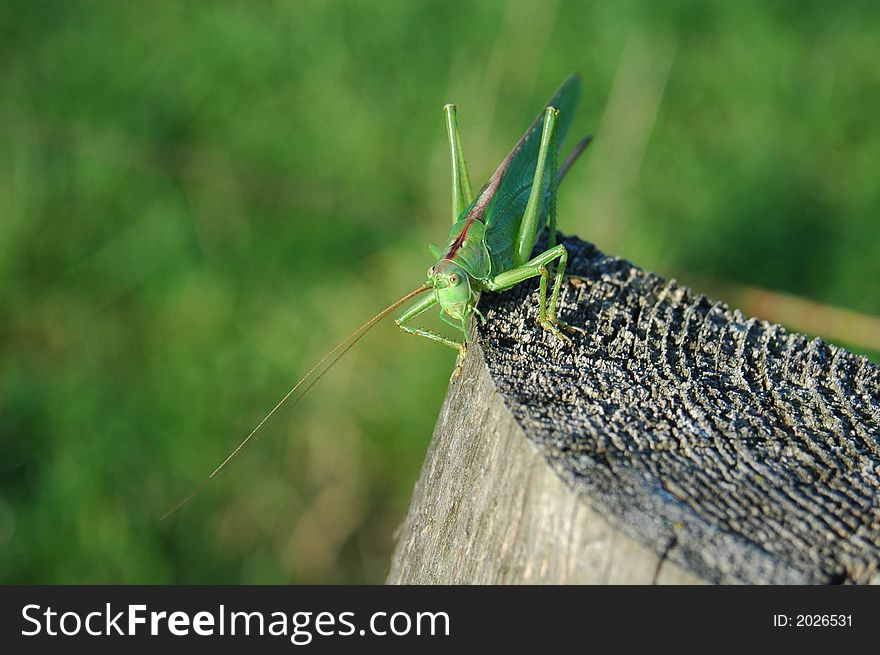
(674, 441)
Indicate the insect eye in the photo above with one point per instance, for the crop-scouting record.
(453, 279)
(431, 272)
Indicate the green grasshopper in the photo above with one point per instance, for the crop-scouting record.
(489, 246)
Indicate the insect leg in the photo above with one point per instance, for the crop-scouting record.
(461, 181)
(528, 228)
(554, 186)
(462, 350)
(459, 325)
(538, 266)
(418, 309)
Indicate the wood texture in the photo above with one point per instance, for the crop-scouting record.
(675, 441)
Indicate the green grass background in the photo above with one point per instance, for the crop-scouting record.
(198, 199)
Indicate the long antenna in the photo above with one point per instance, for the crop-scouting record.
(344, 346)
(572, 158)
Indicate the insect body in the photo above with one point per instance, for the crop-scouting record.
(490, 244)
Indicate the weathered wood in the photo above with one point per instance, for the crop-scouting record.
(675, 441)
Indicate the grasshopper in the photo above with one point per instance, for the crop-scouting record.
(488, 249)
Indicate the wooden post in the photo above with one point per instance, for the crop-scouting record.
(676, 441)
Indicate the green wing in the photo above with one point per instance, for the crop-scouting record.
(503, 200)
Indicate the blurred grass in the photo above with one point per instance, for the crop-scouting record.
(197, 199)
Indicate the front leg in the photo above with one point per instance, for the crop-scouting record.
(538, 266)
(460, 325)
(420, 308)
(417, 310)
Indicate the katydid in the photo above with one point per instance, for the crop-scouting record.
(490, 244)
(489, 247)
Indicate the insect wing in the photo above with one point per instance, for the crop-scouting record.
(518, 168)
